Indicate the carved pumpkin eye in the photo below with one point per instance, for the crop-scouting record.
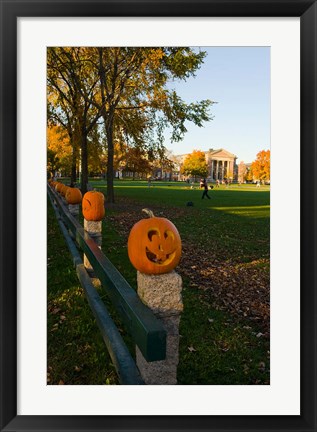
(154, 246)
(93, 206)
(73, 196)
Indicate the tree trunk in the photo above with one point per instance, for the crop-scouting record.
(110, 191)
(73, 175)
(73, 178)
(84, 162)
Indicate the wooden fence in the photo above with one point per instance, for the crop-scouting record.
(146, 330)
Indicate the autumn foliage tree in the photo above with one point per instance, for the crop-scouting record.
(261, 166)
(195, 164)
(59, 150)
(125, 92)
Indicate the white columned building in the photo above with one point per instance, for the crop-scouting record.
(221, 165)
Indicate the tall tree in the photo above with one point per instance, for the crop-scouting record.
(136, 102)
(61, 102)
(72, 76)
(130, 89)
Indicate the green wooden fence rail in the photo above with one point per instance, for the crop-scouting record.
(124, 364)
(147, 332)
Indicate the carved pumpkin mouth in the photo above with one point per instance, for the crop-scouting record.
(164, 260)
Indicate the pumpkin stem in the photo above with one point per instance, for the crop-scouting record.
(148, 212)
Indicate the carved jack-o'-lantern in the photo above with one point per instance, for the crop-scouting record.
(73, 196)
(58, 187)
(63, 190)
(93, 206)
(154, 245)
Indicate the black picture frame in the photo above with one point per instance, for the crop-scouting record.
(10, 11)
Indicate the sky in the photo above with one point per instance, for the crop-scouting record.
(238, 79)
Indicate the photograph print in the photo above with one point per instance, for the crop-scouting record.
(158, 215)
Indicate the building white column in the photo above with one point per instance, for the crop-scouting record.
(217, 169)
(212, 170)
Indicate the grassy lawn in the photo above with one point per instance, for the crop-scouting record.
(225, 269)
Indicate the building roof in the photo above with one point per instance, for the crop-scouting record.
(221, 152)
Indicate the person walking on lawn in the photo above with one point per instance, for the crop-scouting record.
(205, 193)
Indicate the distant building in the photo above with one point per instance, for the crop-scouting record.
(221, 165)
(244, 173)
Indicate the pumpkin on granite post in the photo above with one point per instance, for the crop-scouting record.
(73, 197)
(58, 187)
(52, 184)
(154, 249)
(63, 192)
(93, 209)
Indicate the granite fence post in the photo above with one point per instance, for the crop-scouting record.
(74, 210)
(162, 294)
(94, 229)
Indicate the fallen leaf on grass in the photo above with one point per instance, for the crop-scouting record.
(226, 284)
(191, 349)
(54, 328)
(55, 311)
(261, 367)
